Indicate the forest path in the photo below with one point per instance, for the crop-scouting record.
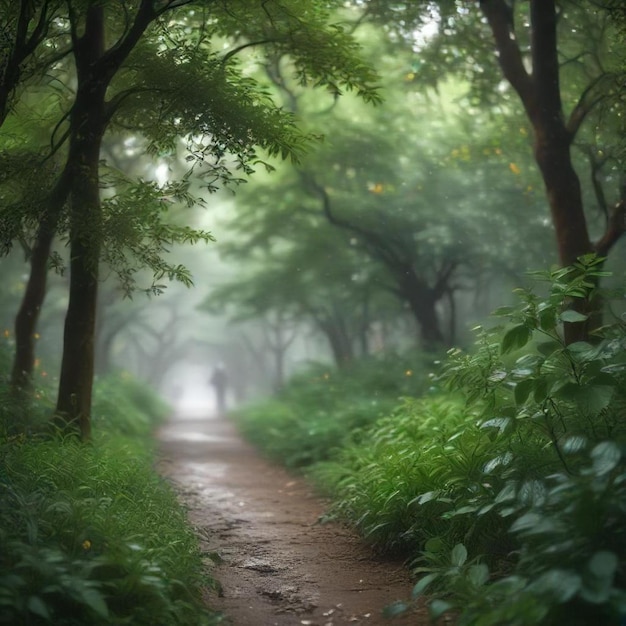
(280, 567)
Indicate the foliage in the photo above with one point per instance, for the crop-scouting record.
(90, 534)
(510, 497)
(124, 406)
(322, 409)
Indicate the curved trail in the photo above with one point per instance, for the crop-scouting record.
(280, 567)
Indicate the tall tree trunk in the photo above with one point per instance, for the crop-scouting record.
(540, 94)
(28, 315)
(422, 302)
(340, 343)
(88, 123)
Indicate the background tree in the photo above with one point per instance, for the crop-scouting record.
(419, 196)
(555, 58)
(234, 120)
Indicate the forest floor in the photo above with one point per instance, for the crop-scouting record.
(280, 566)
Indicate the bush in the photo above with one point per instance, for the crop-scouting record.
(89, 534)
(513, 500)
(123, 405)
(322, 409)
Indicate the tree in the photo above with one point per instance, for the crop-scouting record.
(235, 119)
(542, 52)
(425, 212)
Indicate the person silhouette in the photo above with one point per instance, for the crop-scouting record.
(219, 381)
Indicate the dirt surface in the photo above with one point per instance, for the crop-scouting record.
(280, 565)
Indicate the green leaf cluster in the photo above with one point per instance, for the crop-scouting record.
(106, 545)
(323, 408)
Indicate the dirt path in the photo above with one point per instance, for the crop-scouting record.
(280, 566)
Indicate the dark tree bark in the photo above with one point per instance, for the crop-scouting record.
(422, 301)
(28, 315)
(540, 94)
(339, 341)
(88, 123)
(409, 285)
(95, 68)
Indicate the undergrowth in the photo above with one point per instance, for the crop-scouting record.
(89, 534)
(507, 486)
(322, 409)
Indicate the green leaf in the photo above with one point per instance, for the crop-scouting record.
(548, 347)
(515, 338)
(507, 493)
(561, 584)
(434, 545)
(458, 555)
(37, 606)
(590, 398)
(503, 311)
(395, 609)
(574, 444)
(478, 574)
(523, 389)
(540, 392)
(571, 316)
(437, 608)
(95, 601)
(606, 456)
(422, 584)
(501, 423)
(603, 564)
(547, 319)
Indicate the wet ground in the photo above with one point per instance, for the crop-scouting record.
(279, 565)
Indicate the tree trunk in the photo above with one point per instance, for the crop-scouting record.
(422, 302)
(340, 343)
(35, 292)
(88, 123)
(77, 365)
(540, 94)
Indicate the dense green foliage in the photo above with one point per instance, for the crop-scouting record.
(323, 409)
(506, 485)
(89, 534)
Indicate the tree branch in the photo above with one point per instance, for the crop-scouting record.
(616, 226)
(386, 254)
(500, 18)
(584, 106)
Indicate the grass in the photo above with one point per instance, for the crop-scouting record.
(505, 487)
(323, 409)
(89, 533)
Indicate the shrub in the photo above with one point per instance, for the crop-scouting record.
(89, 534)
(322, 409)
(514, 498)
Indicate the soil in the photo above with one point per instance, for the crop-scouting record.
(280, 565)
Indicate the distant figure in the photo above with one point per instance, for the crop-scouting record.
(219, 380)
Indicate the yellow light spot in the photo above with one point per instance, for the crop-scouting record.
(408, 373)
(498, 151)
(326, 376)
(37, 363)
(44, 373)
(377, 188)
(86, 544)
(409, 76)
(36, 335)
(514, 168)
(7, 333)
